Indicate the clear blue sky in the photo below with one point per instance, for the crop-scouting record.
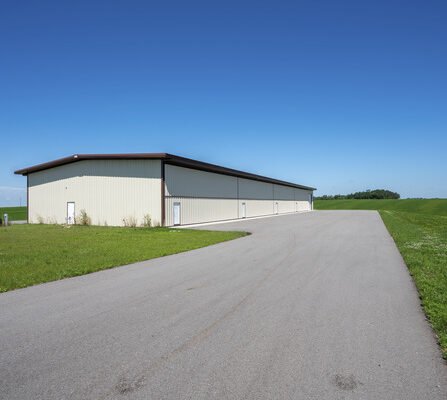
(342, 95)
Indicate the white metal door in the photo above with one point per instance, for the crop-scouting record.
(243, 210)
(276, 208)
(70, 213)
(176, 213)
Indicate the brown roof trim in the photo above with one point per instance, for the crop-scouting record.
(168, 158)
(200, 165)
(80, 157)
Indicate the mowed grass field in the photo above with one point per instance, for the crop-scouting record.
(420, 206)
(14, 213)
(419, 228)
(31, 254)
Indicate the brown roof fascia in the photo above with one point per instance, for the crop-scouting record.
(80, 157)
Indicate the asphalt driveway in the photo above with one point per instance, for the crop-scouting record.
(310, 306)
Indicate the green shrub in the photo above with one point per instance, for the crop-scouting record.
(147, 221)
(130, 222)
(83, 218)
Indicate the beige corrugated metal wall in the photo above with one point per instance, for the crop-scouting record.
(188, 182)
(198, 210)
(303, 200)
(108, 190)
(256, 208)
(206, 196)
(203, 196)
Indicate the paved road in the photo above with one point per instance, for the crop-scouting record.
(311, 306)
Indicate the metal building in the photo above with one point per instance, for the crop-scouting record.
(115, 189)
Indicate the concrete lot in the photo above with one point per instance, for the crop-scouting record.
(310, 306)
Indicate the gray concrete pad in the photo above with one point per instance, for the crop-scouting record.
(310, 306)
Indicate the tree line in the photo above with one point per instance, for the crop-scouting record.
(368, 194)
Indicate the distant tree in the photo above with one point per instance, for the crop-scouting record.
(366, 195)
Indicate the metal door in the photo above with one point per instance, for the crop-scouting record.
(70, 213)
(176, 213)
(276, 208)
(243, 210)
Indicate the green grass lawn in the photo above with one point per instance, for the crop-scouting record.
(422, 241)
(31, 254)
(419, 228)
(14, 213)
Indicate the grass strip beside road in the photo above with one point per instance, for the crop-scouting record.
(422, 241)
(32, 254)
